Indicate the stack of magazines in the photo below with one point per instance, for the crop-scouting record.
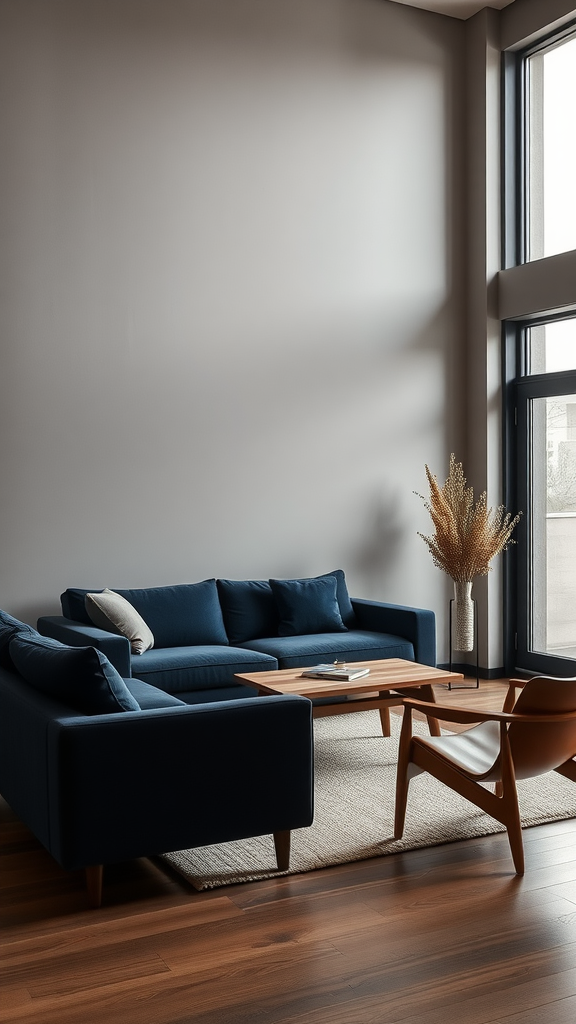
(336, 671)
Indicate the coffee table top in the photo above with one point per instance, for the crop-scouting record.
(388, 674)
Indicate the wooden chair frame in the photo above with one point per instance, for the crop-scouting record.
(502, 804)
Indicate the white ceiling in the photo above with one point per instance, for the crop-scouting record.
(455, 8)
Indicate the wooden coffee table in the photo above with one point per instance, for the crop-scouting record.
(389, 682)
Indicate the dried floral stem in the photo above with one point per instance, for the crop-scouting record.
(467, 535)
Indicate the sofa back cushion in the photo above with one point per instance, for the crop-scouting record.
(307, 606)
(9, 628)
(249, 609)
(251, 612)
(73, 603)
(184, 615)
(79, 676)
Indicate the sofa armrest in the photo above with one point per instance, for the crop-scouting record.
(78, 634)
(144, 783)
(418, 625)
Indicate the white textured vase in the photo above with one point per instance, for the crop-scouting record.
(463, 618)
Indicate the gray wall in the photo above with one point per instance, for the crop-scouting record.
(231, 310)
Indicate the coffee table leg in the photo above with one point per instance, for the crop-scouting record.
(385, 721)
(428, 694)
(424, 692)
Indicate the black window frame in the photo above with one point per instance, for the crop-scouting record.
(520, 391)
(518, 384)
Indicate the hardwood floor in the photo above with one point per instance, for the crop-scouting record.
(427, 937)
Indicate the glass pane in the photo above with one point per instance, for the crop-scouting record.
(551, 151)
(553, 525)
(552, 347)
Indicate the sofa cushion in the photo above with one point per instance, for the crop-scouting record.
(9, 628)
(215, 695)
(178, 616)
(249, 609)
(307, 606)
(73, 602)
(149, 696)
(182, 615)
(79, 676)
(355, 645)
(344, 602)
(182, 669)
(113, 612)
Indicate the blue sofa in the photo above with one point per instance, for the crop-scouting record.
(205, 633)
(103, 768)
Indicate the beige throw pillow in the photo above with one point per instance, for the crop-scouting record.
(109, 610)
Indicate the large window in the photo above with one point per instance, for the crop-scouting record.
(545, 414)
(550, 90)
(541, 362)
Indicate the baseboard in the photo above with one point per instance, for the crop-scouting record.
(470, 671)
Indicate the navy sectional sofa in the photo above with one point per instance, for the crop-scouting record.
(107, 754)
(103, 769)
(206, 632)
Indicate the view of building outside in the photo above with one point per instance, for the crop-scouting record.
(553, 519)
(551, 161)
(551, 229)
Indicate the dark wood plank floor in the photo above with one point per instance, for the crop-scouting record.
(433, 936)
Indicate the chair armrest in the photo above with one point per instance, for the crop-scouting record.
(77, 634)
(418, 625)
(510, 698)
(144, 783)
(467, 716)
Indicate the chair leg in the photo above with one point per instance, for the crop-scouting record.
(511, 816)
(402, 783)
(94, 875)
(402, 780)
(568, 769)
(282, 846)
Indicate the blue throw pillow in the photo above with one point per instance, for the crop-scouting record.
(344, 602)
(307, 606)
(249, 609)
(9, 628)
(185, 615)
(79, 676)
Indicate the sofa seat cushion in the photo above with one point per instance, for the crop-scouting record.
(178, 669)
(239, 692)
(81, 677)
(355, 645)
(149, 697)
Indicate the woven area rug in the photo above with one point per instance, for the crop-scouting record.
(355, 775)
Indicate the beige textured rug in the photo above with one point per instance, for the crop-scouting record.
(355, 774)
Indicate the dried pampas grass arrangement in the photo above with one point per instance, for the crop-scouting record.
(467, 534)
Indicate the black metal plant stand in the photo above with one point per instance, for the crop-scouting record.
(465, 686)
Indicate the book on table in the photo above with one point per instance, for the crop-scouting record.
(336, 671)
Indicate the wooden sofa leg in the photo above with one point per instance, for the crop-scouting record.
(94, 884)
(282, 845)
